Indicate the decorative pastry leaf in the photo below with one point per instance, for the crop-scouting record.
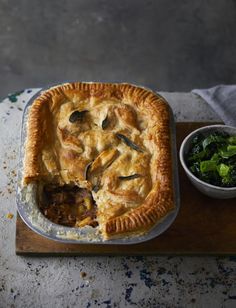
(104, 160)
(77, 116)
(94, 169)
(128, 142)
(130, 177)
(105, 122)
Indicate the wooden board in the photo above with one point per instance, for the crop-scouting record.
(203, 226)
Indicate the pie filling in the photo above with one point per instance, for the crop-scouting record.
(68, 205)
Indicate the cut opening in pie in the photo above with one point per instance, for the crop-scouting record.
(68, 205)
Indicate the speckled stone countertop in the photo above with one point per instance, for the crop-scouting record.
(161, 281)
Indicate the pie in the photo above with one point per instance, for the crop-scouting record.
(100, 155)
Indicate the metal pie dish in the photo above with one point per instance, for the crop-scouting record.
(204, 187)
(30, 213)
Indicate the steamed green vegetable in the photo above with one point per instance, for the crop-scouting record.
(212, 158)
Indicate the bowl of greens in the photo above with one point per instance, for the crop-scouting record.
(208, 156)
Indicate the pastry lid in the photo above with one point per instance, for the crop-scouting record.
(34, 219)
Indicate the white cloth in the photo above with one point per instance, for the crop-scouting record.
(222, 100)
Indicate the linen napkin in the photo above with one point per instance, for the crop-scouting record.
(222, 99)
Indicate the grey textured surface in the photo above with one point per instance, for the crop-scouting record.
(165, 44)
(161, 281)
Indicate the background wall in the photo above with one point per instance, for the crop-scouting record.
(164, 44)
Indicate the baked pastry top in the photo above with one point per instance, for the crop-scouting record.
(101, 154)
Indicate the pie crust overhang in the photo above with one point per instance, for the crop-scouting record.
(111, 139)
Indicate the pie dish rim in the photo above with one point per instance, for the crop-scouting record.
(150, 234)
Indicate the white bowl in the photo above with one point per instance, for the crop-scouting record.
(205, 188)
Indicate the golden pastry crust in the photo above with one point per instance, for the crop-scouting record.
(123, 132)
